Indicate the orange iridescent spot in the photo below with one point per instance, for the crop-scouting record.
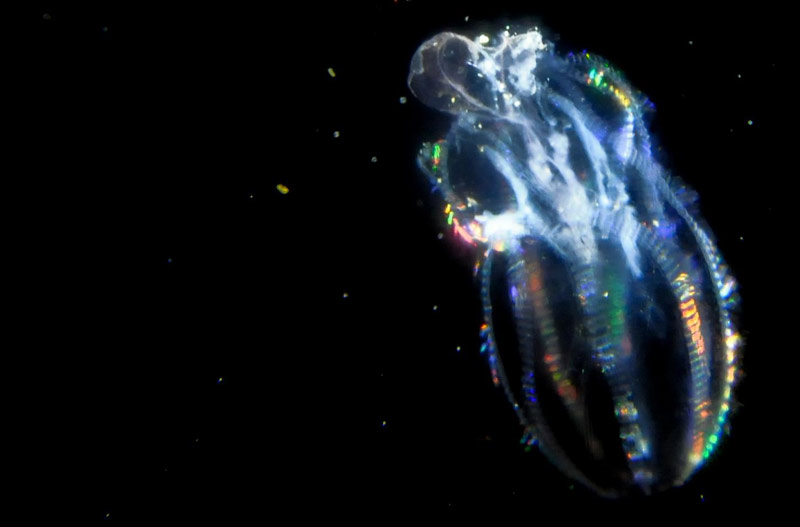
(536, 283)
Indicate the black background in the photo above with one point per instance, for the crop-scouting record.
(159, 258)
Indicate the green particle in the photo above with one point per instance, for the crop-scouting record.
(450, 218)
(713, 440)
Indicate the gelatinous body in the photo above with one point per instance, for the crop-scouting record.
(607, 304)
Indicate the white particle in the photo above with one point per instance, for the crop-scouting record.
(374, 159)
(435, 307)
(336, 133)
(440, 235)
(403, 100)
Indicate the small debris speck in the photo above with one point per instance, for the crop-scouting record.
(440, 235)
(435, 308)
(691, 42)
(47, 16)
(345, 295)
(331, 72)
(219, 381)
(383, 424)
(750, 122)
(336, 133)
(374, 159)
(283, 189)
(403, 100)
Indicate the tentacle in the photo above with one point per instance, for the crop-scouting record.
(602, 303)
(531, 317)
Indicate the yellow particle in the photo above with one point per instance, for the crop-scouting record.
(733, 341)
(331, 72)
(283, 189)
